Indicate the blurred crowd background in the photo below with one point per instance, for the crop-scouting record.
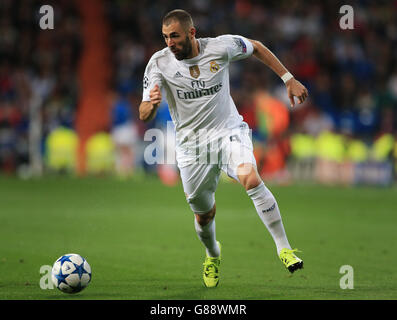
(69, 96)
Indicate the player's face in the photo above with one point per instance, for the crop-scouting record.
(177, 40)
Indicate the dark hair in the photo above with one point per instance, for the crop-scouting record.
(183, 17)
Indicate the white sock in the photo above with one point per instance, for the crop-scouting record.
(206, 234)
(267, 209)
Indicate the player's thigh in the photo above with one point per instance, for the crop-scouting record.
(199, 184)
(240, 160)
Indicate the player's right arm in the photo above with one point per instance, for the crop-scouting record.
(151, 98)
(147, 109)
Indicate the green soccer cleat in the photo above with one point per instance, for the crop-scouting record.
(211, 270)
(290, 260)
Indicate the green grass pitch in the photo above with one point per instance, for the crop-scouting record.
(139, 239)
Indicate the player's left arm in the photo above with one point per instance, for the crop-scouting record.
(294, 87)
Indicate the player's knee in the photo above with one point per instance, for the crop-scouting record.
(248, 176)
(252, 182)
(205, 218)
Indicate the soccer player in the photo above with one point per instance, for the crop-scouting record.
(194, 74)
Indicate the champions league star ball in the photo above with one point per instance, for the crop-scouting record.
(71, 273)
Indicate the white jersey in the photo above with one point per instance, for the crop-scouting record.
(197, 90)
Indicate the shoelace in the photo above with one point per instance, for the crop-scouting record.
(210, 268)
(289, 255)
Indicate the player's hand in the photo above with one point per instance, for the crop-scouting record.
(155, 95)
(296, 89)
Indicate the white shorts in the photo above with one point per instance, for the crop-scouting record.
(200, 169)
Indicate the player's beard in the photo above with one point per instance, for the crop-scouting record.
(185, 51)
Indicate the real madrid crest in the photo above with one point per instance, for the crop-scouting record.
(194, 71)
(214, 67)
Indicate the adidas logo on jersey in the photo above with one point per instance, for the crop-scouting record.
(178, 75)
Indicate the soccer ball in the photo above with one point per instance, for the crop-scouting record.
(71, 273)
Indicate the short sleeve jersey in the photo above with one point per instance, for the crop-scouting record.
(197, 90)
